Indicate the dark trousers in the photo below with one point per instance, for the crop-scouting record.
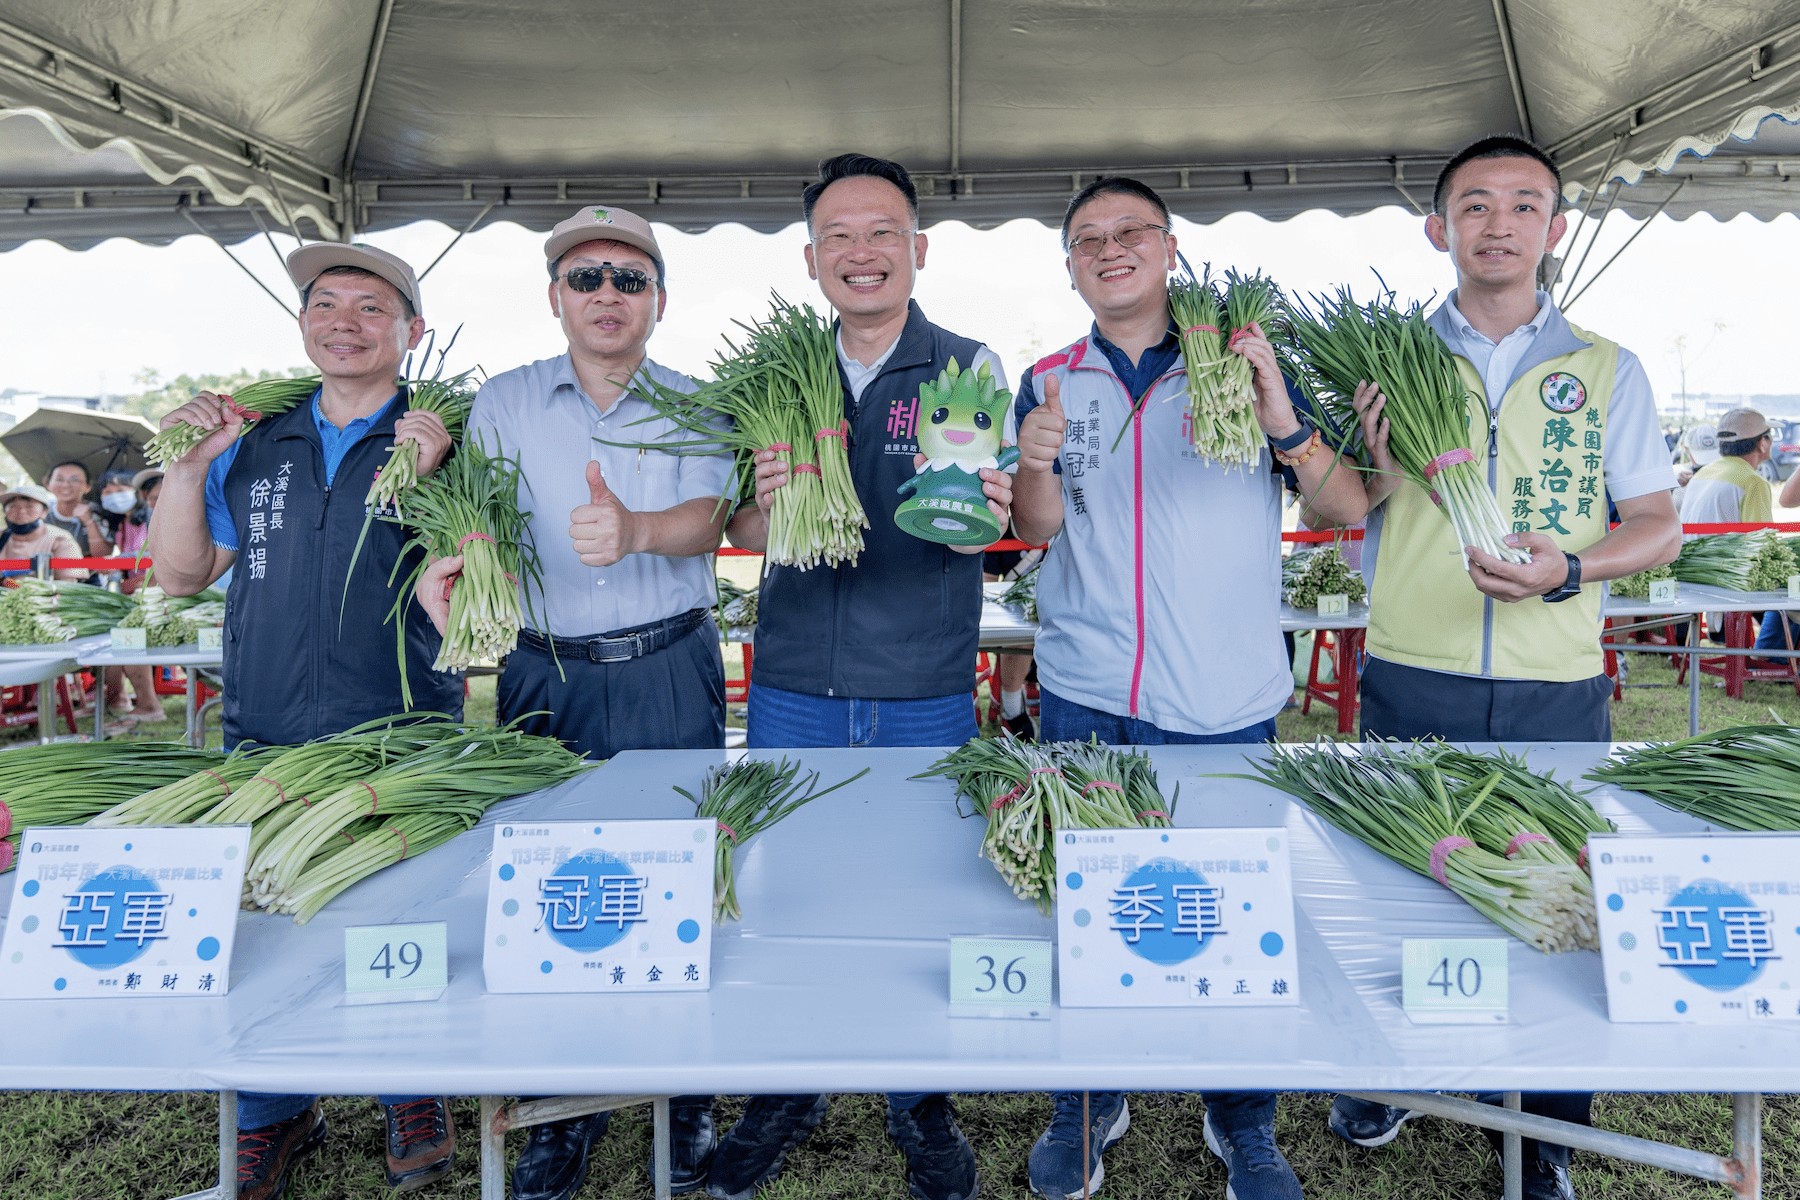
(1410, 702)
(1407, 702)
(673, 699)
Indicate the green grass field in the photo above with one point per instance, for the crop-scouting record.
(142, 1146)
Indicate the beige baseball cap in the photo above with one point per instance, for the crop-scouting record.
(315, 258)
(1742, 423)
(30, 491)
(598, 222)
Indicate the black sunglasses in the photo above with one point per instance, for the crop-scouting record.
(628, 280)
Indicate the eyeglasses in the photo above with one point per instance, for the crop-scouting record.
(1091, 244)
(875, 239)
(628, 280)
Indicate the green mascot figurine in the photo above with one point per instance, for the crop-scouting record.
(962, 416)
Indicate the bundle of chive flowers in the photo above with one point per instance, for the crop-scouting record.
(1308, 574)
(470, 507)
(66, 783)
(1510, 842)
(1427, 409)
(1210, 319)
(173, 620)
(780, 391)
(1028, 791)
(1745, 778)
(1759, 560)
(38, 611)
(745, 798)
(1637, 585)
(253, 402)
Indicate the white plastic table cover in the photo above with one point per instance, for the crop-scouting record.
(75, 648)
(41, 668)
(836, 978)
(189, 655)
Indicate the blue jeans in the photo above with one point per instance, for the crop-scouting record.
(779, 719)
(257, 1109)
(1063, 720)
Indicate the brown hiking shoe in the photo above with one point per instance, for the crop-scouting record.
(421, 1142)
(266, 1156)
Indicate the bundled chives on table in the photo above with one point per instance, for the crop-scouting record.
(1637, 586)
(1759, 560)
(745, 798)
(253, 402)
(1308, 574)
(1744, 778)
(1022, 594)
(36, 611)
(173, 620)
(781, 391)
(1427, 409)
(66, 783)
(1028, 790)
(1510, 842)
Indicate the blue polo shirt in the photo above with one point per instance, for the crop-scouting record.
(333, 441)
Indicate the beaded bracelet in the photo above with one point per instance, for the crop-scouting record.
(1311, 448)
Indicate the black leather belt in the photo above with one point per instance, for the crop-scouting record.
(623, 645)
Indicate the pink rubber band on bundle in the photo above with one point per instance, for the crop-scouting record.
(781, 446)
(729, 832)
(1581, 859)
(841, 431)
(809, 469)
(6, 856)
(1448, 458)
(402, 845)
(1201, 329)
(350, 837)
(5, 819)
(1008, 798)
(1521, 840)
(1238, 335)
(1154, 812)
(472, 537)
(374, 800)
(1101, 783)
(218, 777)
(1440, 854)
(1436, 499)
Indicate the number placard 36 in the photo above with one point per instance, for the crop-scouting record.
(1000, 977)
(389, 963)
(1454, 981)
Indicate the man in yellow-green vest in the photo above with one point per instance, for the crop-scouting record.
(1462, 645)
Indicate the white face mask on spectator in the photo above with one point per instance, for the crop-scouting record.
(119, 502)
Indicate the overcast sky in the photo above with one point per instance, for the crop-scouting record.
(81, 323)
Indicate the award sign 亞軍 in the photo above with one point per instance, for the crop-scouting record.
(609, 906)
(123, 911)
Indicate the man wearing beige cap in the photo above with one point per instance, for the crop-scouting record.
(625, 655)
(295, 667)
(1729, 489)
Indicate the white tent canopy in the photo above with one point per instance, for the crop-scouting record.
(151, 118)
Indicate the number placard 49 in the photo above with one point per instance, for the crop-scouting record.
(1454, 980)
(384, 963)
(1000, 977)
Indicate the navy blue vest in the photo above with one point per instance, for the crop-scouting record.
(903, 623)
(291, 673)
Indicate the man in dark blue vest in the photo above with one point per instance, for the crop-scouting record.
(285, 505)
(881, 653)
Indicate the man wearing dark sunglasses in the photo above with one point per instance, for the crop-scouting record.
(624, 537)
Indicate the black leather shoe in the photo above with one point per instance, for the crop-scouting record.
(940, 1163)
(692, 1143)
(1547, 1181)
(553, 1165)
(752, 1151)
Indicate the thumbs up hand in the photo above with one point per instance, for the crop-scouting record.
(603, 530)
(1041, 432)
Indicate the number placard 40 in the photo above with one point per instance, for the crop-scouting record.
(1454, 981)
(1000, 977)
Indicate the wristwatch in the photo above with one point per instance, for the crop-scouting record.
(1570, 586)
(1295, 440)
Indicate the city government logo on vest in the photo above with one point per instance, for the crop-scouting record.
(1563, 393)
